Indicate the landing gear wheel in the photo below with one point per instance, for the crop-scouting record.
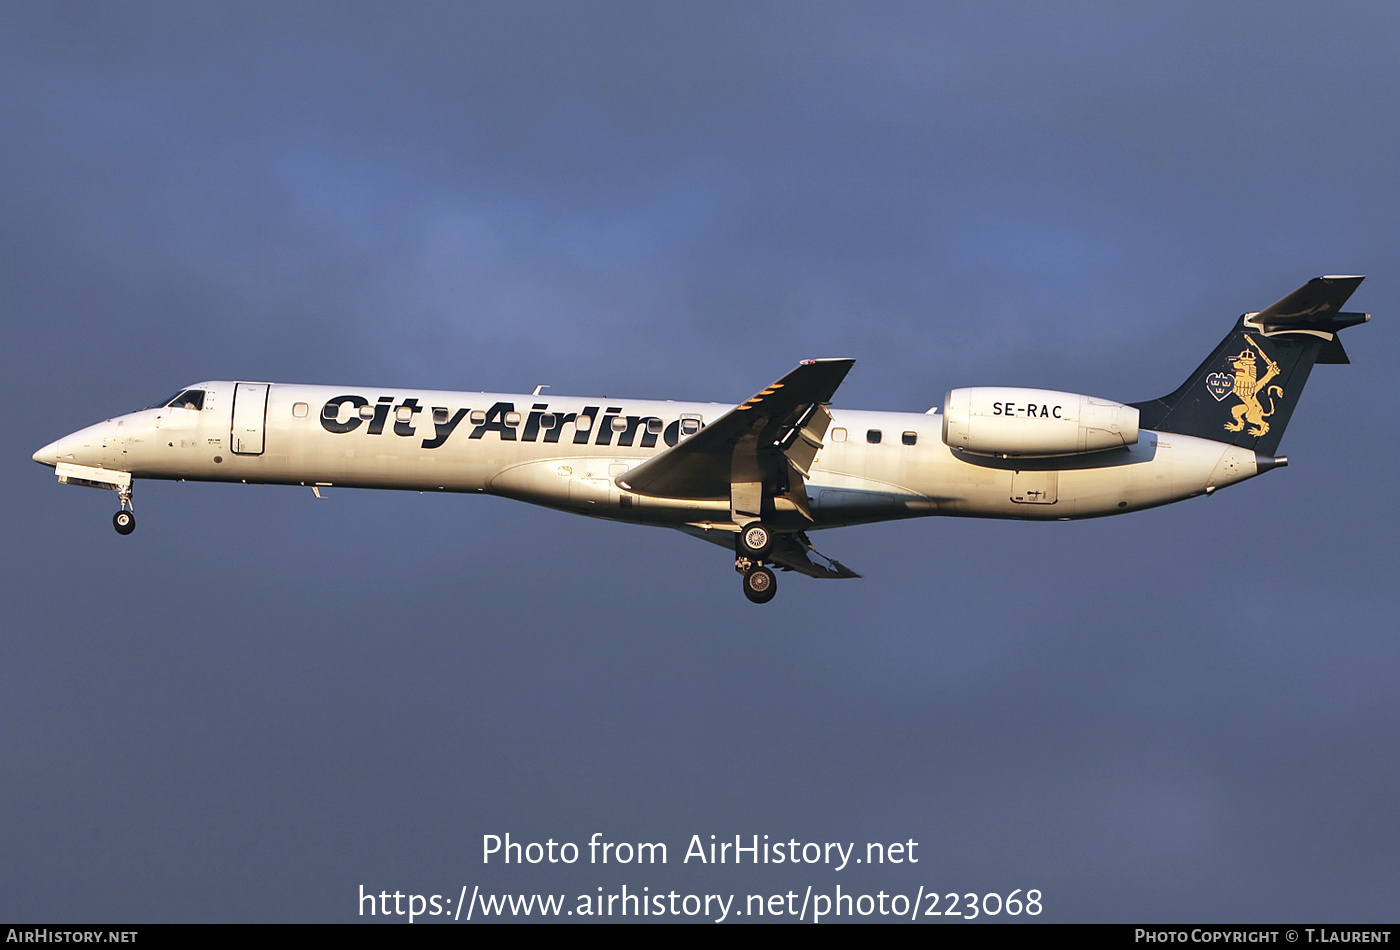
(124, 521)
(760, 585)
(755, 541)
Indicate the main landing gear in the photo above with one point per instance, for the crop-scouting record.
(760, 584)
(752, 544)
(755, 541)
(125, 519)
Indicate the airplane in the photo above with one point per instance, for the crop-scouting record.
(756, 477)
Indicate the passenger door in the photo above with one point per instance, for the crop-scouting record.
(249, 416)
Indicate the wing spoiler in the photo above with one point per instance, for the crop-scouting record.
(768, 438)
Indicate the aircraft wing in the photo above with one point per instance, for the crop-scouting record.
(766, 439)
(792, 552)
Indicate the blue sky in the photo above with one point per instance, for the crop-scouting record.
(259, 701)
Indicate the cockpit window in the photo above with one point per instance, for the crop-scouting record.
(162, 403)
(185, 399)
(189, 399)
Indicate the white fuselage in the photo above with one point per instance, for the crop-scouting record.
(567, 452)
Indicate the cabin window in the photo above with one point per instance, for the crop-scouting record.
(478, 417)
(583, 423)
(619, 423)
(512, 418)
(655, 425)
(548, 421)
(909, 438)
(440, 414)
(366, 412)
(872, 436)
(690, 424)
(300, 409)
(838, 434)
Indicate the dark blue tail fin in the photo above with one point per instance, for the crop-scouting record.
(1244, 393)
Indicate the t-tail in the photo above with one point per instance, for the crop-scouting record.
(1244, 393)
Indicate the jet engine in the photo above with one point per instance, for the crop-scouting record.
(992, 420)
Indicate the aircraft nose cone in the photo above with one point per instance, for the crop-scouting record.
(48, 455)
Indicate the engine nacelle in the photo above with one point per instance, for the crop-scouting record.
(994, 420)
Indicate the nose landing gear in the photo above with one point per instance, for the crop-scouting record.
(125, 519)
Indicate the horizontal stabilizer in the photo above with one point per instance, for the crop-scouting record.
(1244, 393)
(1317, 305)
